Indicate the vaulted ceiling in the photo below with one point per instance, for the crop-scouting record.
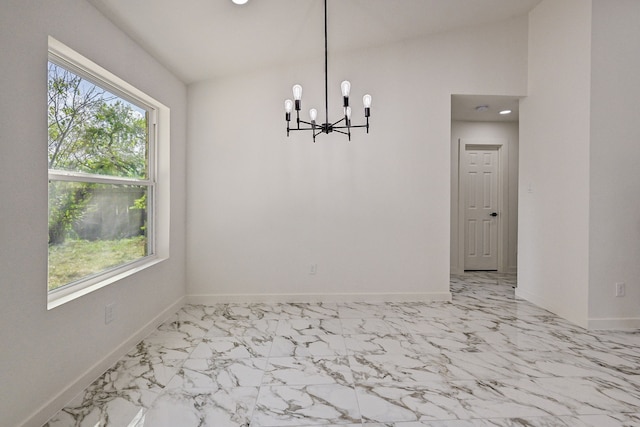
(201, 39)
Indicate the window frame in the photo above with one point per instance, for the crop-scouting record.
(157, 191)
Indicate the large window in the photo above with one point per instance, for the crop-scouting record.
(102, 176)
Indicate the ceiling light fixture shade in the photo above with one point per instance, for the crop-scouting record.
(343, 125)
(239, 1)
(504, 112)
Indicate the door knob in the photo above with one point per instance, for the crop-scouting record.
(494, 214)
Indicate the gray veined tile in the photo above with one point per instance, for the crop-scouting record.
(97, 407)
(485, 359)
(308, 345)
(232, 347)
(122, 393)
(166, 344)
(378, 326)
(223, 407)
(522, 341)
(396, 368)
(608, 420)
(309, 310)
(456, 400)
(454, 341)
(213, 374)
(365, 310)
(309, 326)
(619, 362)
(223, 327)
(200, 315)
(306, 405)
(582, 396)
(186, 327)
(308, 371)
(383, 344)
(609, 340)
(503, 365)
(255, 311)
(433, 327)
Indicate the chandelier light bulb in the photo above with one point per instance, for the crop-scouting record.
(346, 88)
(297, 92)
(366, 100)
(288, 106)
(313, 114)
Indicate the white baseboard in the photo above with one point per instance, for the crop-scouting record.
(209, 299)
(618, 324)
(49, 409)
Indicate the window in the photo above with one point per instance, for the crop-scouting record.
(102, 176)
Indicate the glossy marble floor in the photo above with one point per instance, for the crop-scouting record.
(486, 359)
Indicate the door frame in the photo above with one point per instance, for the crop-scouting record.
(502, 146)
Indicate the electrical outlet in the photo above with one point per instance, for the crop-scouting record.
(620, 289)
(109, 313)
(313, 269)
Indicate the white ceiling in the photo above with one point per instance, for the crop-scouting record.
(465, 107)
(201, 39)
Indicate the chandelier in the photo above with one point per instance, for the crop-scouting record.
(343, 125)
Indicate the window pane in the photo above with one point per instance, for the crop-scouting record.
(91, 130)
(94, 227)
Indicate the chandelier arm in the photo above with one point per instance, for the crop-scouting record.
(339, 121)
(307, 123)
(351, 127)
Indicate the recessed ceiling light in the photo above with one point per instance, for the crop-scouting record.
(239, 1)
(481, 108)
(503, 112)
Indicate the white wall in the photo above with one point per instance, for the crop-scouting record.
(614, 214)
(506, 131)
(46, 357)
(373, 214)
(553, 232)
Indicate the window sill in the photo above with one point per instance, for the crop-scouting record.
(63, 296)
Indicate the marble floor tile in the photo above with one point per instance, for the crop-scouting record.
(223, 327)
(212, 374)
(308, 346)
(300, 405)
(309, 326)
(383, 344)
(385, 326)
(486, 358)
(223, 407)
(307, 371)
(309, 310)
(99, 407)
(233, 347)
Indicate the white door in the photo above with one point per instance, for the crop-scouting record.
(480, 172)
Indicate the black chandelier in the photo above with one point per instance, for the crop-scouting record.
(343, 125)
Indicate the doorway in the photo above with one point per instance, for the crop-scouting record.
(479, 131)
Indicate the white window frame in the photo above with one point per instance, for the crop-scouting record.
(157, 181)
